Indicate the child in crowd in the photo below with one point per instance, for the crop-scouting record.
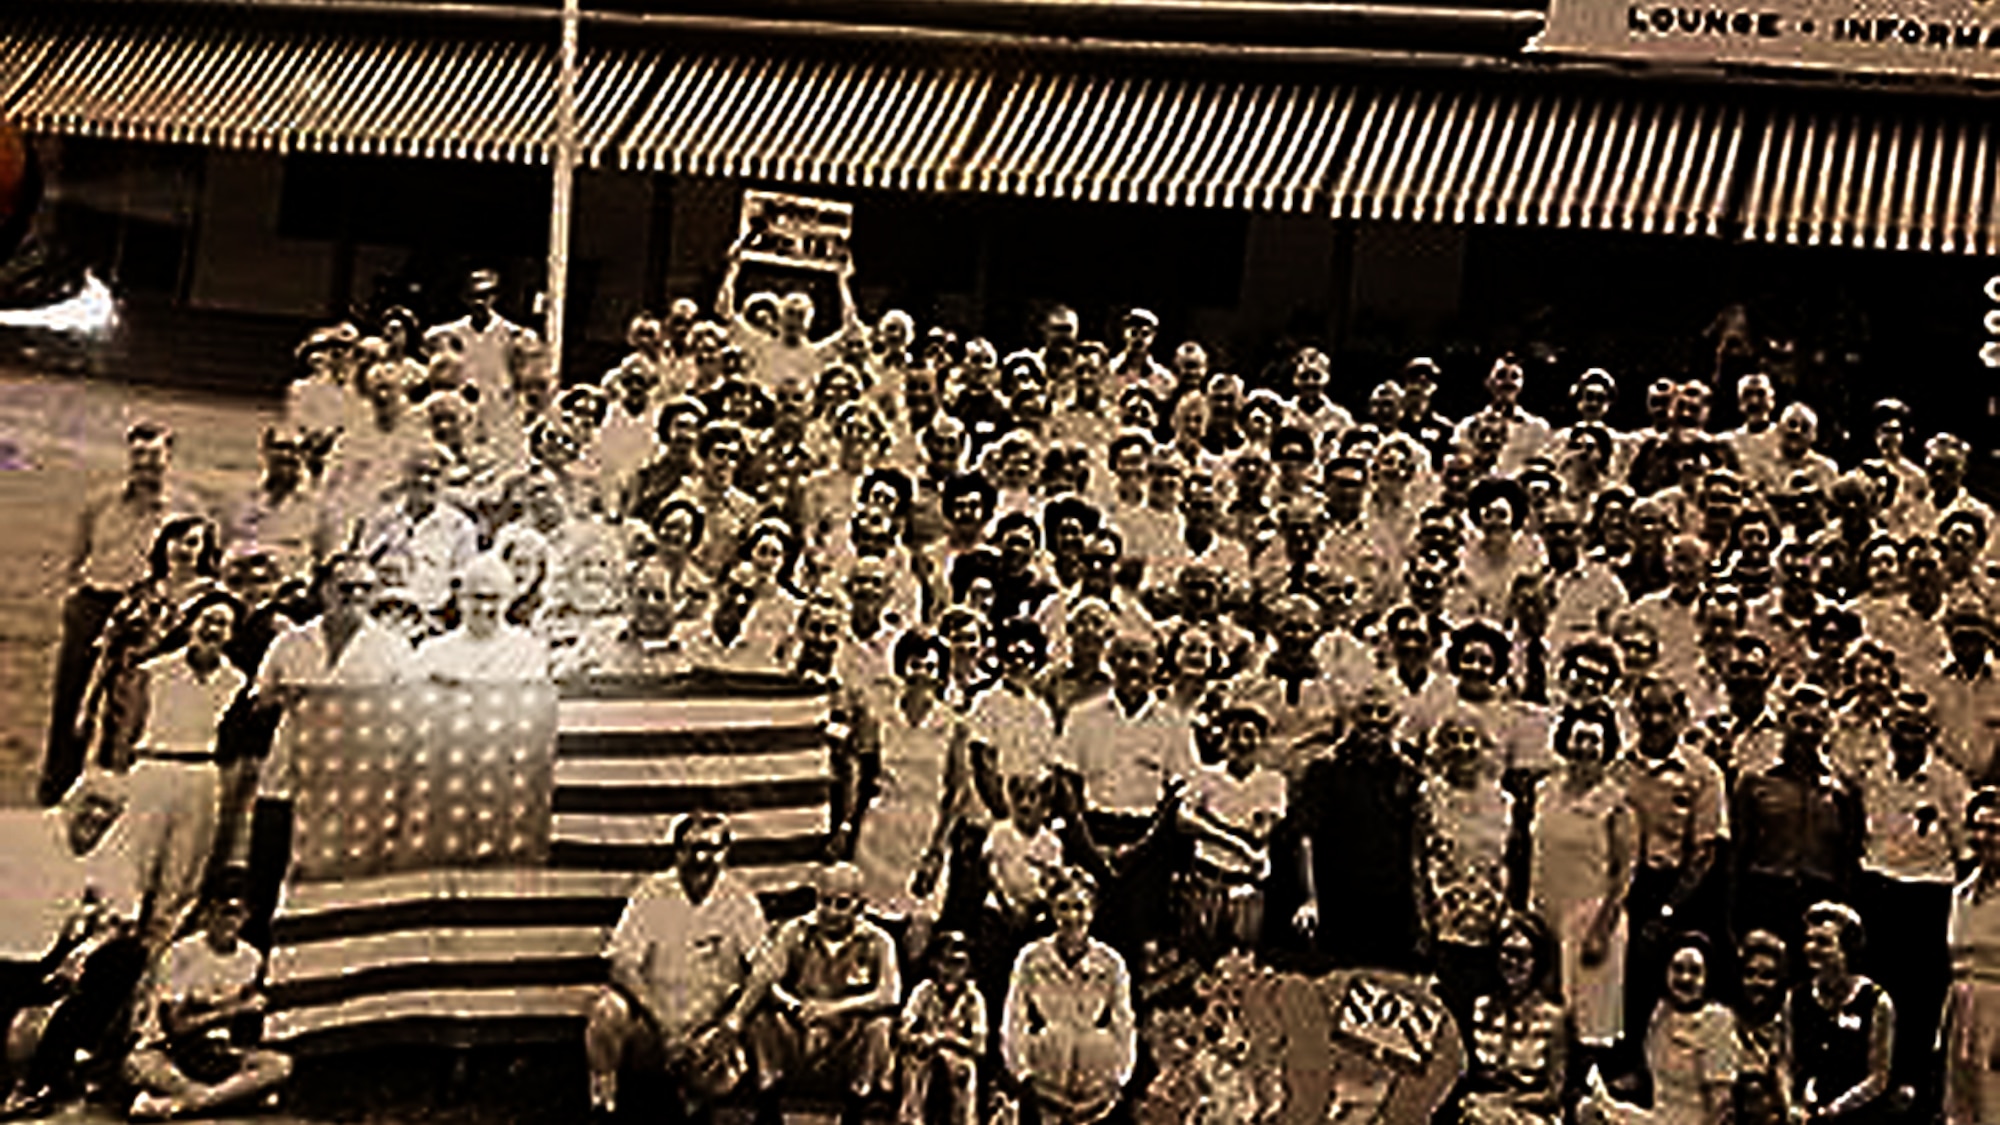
(943, 1028)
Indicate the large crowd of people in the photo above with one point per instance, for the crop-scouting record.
(1661, 755)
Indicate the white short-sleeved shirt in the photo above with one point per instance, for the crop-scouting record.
(690, 956)
(193, 972)
(1914, 825)
(1019, 728)
(374, 655)
(1126, 761)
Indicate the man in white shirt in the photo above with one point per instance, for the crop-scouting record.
(1134, 364)
(344, 645)
(1913, 806)
(1127, 748)
(1527, 434)
(678, 961)
(437, 537)
(115, 528)
(1132, 753)
(68, 958)
(485, 345)
(1756, 440)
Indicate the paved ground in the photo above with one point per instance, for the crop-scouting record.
(70, 434)
(531, 1086)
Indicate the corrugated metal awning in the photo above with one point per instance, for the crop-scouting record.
(1879, 182)
(1146, 140)
(325, 93)
(861, 125)
(22, 50)
(1540, 160)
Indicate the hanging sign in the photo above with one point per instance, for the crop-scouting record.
(1952, 37)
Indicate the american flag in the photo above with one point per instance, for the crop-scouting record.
(460, 856)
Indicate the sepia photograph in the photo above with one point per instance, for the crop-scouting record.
(1000, 562)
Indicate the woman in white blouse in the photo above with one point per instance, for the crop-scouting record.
(485, 648)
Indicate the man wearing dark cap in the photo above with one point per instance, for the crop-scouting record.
(1134, 363)
(1966, 692)
(1432, 430)
(322, 401)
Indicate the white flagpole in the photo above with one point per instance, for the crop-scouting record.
(564, 160)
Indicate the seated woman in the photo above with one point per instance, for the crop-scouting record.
(485, 647)
(187, 1060)
(1843, 1025)
(1519, 1041)
(1690, 1052)
(1068, 1036)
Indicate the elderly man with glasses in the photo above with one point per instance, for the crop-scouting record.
(826, 991)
